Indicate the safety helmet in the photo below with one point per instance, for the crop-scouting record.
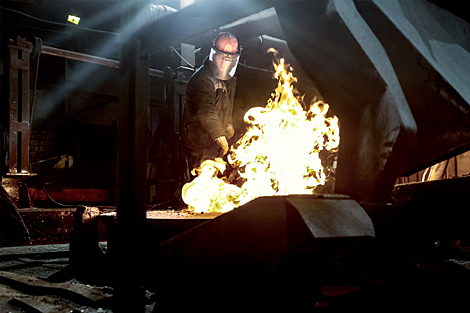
(224, 56)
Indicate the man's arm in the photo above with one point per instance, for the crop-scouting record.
(206, 109)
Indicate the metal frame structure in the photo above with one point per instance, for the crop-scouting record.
(19, 102)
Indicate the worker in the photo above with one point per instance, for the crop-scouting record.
(207, 117)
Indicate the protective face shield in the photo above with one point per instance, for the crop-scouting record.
(222, 64)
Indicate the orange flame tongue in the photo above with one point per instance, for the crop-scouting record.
(278, 155)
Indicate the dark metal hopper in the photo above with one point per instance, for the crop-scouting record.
(396, 74)
(249, 236)
(271, 245)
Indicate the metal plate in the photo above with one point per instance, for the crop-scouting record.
(333, 218)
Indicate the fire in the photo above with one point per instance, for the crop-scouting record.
(278, 155)
(207, 192)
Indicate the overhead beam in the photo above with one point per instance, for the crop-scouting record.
(90, 59)
(195, 20)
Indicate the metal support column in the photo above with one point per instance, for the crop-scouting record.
(178, 92)
(132, 163)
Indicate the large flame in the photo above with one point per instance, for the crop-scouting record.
(278, 155)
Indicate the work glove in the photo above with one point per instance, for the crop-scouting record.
(222, 142)
(229, 131)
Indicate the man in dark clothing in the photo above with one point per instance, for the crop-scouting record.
(207, 116)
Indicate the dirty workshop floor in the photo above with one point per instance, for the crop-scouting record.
(36, 279)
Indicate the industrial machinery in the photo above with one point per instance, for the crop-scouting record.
(396, 73)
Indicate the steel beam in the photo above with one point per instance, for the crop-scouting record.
(90, 59)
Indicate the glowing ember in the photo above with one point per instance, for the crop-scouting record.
(278, 155)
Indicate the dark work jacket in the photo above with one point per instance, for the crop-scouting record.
(207, 109)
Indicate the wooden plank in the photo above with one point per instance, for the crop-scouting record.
(7, 295)
(14, 301)
(78, 293)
